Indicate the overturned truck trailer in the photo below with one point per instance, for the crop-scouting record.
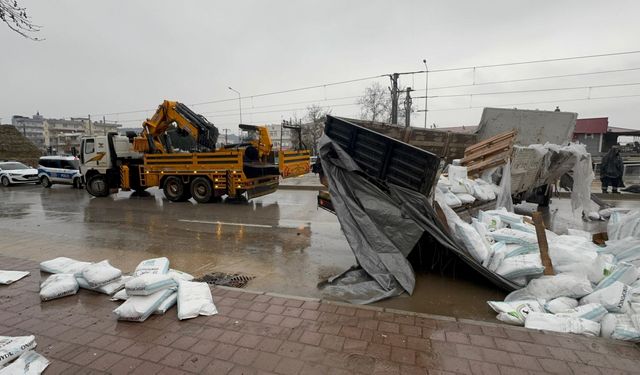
(379, 189)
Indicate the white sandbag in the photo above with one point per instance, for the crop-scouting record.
(566, 324)
(498, 252)
(517, 249)
(515, 312)
(523, 227)
(509, 235)
(457, 172)
(506, 216)
(8, 277)
(138, 308)
(606, 213)
(590, 311)
(154, 266)
(623, 272)
(465, 198)
(549, 287)
(521, 266)
(104, 289)
(63, 265)
(194, 299)
(167, 304)
(619, 327)
(57, 286)
(101, 273)
(614, 298)
(12, 347)
(571, 257)
(29, 363)
(471, 241)
(601, 267)
(121, 295)
(492, 222)
(482, 192)
(560, 304)
(451, 200)
(149, 283)
(580, 233)
(179, 275)
(483, 232)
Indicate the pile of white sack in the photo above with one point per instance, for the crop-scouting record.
(457, 189)
(17, 356)
(596, 289)
(153, 288)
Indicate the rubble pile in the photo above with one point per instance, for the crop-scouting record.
(153, 288)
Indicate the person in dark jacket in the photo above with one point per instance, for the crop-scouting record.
(611, 170)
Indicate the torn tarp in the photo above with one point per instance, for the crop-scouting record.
(382, 223)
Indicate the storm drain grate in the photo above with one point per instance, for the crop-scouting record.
(235, 280)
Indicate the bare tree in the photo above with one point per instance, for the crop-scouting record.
(17, 19)
(375, 104)
(312, 130)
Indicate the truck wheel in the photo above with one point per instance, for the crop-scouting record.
(174, 189)
(97, 186)
(45, 182)
(201, 189)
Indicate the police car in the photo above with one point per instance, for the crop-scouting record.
(59, 170)
(14, 172)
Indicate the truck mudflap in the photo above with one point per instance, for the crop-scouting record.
(294, 163)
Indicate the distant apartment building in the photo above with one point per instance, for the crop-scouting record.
(53, 134)
(280, 137)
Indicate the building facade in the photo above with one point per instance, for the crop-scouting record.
(280, 137)
(50, 135)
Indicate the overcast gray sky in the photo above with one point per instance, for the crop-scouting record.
(104, 57)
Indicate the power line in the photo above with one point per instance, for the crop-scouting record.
(530, 90)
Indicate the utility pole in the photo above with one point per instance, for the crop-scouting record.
(226, 131)
(394, 97)
(104, 125)
(426, 90)
(90, 126)
(407, 108)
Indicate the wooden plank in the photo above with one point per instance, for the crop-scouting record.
(495, 161)
(542, 243)
(493, 140)
(499, 148)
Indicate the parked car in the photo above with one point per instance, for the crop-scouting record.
(13, 172)
(59, 170)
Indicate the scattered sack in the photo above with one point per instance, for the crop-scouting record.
(509, 235)
(472, 241)
(614, 298)
(619, 327)
(465, 198)
(601, 267)
(57, 286)
(498, 252)
(12, 347)
(623, 272)
(567, 324)
(167, 304)
(101, 273)
(549, 287)
(120, 296)
(149, 283)
(194, 299)
(29, 363)
(63, 265)
(506, 216)
(8, 277)
(560, 304)
(179, 275)
(580, 233)
(109, 289)
(520, 266)
(515, 312)
(590, 311)
(492, 222)
(138, 308)
(452, 200)
(154, 266)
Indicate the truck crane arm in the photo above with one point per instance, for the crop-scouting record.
(188, 122)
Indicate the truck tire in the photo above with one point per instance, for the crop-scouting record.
(175, 190)
(98, 186)
(201, 189)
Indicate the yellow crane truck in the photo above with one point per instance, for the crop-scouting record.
(206, 173)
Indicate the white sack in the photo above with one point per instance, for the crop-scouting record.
(555, 323)
(520, 266)
(614, 298)
(179, 275)
(148, 284)
(101, 273)
(120, 296)
(154, 266)
(138, 308)
(108, 289)
(508, 235)
(492, 222)
(623, 272)
(451, 200)
(601, 267)
(63, 265)
(515, 312)
(590, 311)
(580, 233)
(12, 347)
(619, 327)
(194, 299)
(465, 198)
(560, 304)
(8, 277)
(167, 304)
(57, 286)
(498, 253)
(549, 287)
(472, 241)
(457, 172)
(29, 363)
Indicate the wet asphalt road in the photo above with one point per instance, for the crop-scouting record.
(282, 239)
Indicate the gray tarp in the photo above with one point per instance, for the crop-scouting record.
(382, 223)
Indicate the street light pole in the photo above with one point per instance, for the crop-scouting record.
(426, 90)
(239, 101)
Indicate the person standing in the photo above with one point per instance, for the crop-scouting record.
(611, 170)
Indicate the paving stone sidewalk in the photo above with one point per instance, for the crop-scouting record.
(256, 333)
